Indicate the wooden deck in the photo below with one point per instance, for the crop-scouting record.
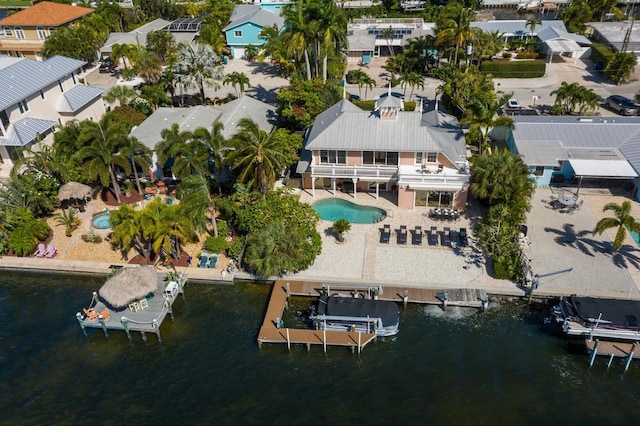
(617, 349)
(142, 320)
(271, 333)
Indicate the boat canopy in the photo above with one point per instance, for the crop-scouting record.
(610, 312)
(387, 311)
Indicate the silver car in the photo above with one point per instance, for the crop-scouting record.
(621, 105)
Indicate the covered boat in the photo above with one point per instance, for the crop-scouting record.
(356, 314)
(595, 317)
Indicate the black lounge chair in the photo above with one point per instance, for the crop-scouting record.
(402, 235)
(416, 238)
(385, 234)
(433, 236)
(446, 237)
(463, 238)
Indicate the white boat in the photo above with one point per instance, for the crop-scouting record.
(355, 314)
(531, 5)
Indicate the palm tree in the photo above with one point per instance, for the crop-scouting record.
(622, 220)
(172, 140)
(332, 33)
(483, 116)
(237, 79)
(162, 43)
(102, 154)
(357, 76)
(217, 144)
(122, 94)
(532, 23)
(190, 155)
(257, 157)
(196, 201)
(139, 155)
(368, 83)
(199, 65)
(388, 34)
(455, 28)
(412, 79)
(167, 227)
(69, 220)
(149, 66)
(300, 30)
(566, 97)
(123, 51)
(341, 226)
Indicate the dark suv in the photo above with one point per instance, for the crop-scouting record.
(107, 65)
(621, 105)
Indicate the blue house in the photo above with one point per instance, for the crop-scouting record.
(246, 23)
(559, 148)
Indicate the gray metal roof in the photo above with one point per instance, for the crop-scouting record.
(552, 33)
(24, 78)
(614, 33)
(27, 130)
(360, 41)
(243, 13)
(246, 107)
(542, 140)
(79, 96)
(516, 27)
(344, 126)
(137, 36)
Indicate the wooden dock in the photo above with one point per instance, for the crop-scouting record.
(612, 350)
(273, 331)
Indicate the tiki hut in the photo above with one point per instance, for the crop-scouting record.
(128, 285)
(73, 190)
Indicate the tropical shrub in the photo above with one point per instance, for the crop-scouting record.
(234, 250)
(142, 105)
(215, 244)
(410, 106)
(24, 238)
(514, 69)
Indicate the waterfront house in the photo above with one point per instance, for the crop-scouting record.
(189, 119)
(38, 95)
(563, 148)
(621, 36)
(418, 158)
(246, 23)
(26, 31)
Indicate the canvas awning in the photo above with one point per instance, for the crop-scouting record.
(603, 168)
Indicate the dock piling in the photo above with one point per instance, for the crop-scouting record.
(630, 357)
(308, 346)
(154, 323)
(594, 352)
(405, 299)
(610, 361)
(288, 289)
(324, 340)
(125, 325)
(288, 340)
(144, 336)
(169, 308)
(79, 318)
(104, 326)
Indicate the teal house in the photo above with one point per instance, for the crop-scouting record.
(595, 150)
(246, 23)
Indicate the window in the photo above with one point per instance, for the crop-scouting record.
(559, 167)
(8, 32)
(51, 30)
(60, 85)
(333, 157)
(23, 105)
(539, 171)
(419, 157)
(432, 157)
(42, 94)
(42, 33)
(237, 34)
(19, 33)
(380, 158)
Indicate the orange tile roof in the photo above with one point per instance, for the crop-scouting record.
(46, 13)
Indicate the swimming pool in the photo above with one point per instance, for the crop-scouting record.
(636, 237)
(101, 221)
(333, 209)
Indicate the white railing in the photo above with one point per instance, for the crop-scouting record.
(435, 180)
(341, 171)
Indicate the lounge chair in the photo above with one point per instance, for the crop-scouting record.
(106, 314)
(463, 239)
(42, 249)
(433, 236)
(385, 234)
(416, 238)
(402, 235)
(446, 237)
(213, 260)
(51, 251)
(204, 261)
(91, 314)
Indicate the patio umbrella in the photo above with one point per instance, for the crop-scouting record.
(128, 285)
(73, 190)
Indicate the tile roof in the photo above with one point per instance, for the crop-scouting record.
(26, 130)
(24, 78)
(79, 96)
(46, 13)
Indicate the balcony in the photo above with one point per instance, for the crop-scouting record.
(351, 172)
(433, 178)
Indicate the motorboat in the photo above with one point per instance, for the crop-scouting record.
(345, 313)
(594, 317)
(531, 5)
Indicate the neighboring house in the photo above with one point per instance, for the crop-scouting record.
(182, 30)
(38, 95)
(558, 148)
(419, 156)
(26, 31)
(189, 119)
(621, 36)
(246, 23)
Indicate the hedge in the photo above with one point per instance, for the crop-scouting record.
(601, 53)
(514, 69)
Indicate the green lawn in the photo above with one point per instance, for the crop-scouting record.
(14, 3)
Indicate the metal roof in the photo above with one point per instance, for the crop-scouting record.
(255, 14)
(27, 130)
(614, 33)
(137, 37)
(24, 78)
(246, 107)
(607, 168)
(552, 33)
(516, 27)
(344, 126)
(79, 96)
(540, 138)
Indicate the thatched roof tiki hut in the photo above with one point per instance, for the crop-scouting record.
(128, 285)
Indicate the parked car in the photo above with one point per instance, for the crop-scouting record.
(514, 104)
(394, 94)
(621, 105)
(186, 100)
(107, 65)
(353, 97)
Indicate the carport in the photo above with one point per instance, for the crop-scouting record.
(609, 169)
(559, 41)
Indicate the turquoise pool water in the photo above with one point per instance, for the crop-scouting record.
(636, 237)
(101, 221)
(333, 209)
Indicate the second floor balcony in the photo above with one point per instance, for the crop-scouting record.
(370, 172)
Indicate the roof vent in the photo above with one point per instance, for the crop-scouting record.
(586, 120)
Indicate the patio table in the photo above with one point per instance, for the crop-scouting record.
(566, 201)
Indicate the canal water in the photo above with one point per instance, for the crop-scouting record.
(498, 368)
